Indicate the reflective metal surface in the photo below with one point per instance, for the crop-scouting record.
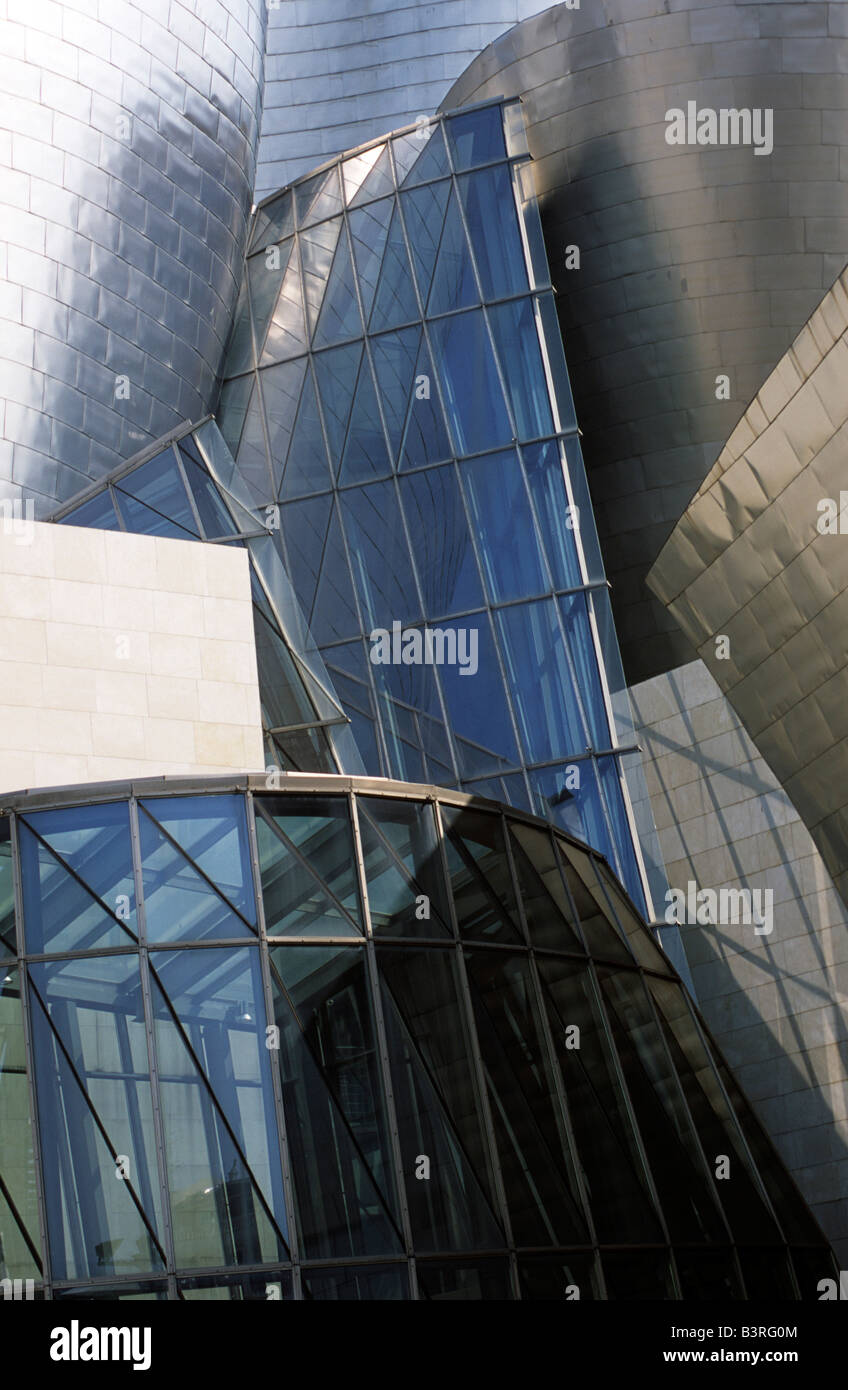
(696, 262)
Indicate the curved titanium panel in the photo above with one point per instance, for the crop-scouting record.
(128, 145)
(696, 261)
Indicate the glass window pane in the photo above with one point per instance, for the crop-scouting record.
(286, 335)
(477, 137)
(484, 898)
(426, 438)
(19, 1230)
(547, 707)
(562, 1278)
(395, 359)
(356, 1283)
(232, 410)
(221, 1142)
(212, 831)
(638, 1275)
(265, 277)
(365, 455)
(76, 878)
(446, 565)
(281, 391)
(424, 215)
(8, 931)
(368, 175)
(504, 527)
(516, 338)
(493, 228)
(395, 301)
(406, 891)
(570, 796)
(454, 284)
(544, 468)
(421, 155)
(552, 338)
(159, 486)
(486, 1281)
(317, 248)
(547, 911)
(253, 466)
(296, 901)
(92, 1075)
(196, 869)
(369, 227)
(470, 385)
(275, 219)
(306, 469)
(514, 128)
(379, 555)
(767, 1276)
(214, 516)
(138, 1291)
(529, 208)
(272, 1286)
(596, 925)
(99, 512)
(320, 829)
(478, 711)
(336, 372)
(239, 356)
(340, 316)
(318, 197)
(708, 1275)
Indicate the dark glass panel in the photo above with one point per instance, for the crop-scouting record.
(139, 1291)
(286, 335)
(253, 467)
(446, 1184)
(517, 341)
(476, 137)
(273, 221)
(274, 1286)
(144, 521)
(339, 316)
(552, 338)
(336, 372)
(364, 1283)
(481, 882)
(395, 302)
(680, 1177)
(94, 841)
(598, 931)
(369, 227)
(334, 614)
(613, 1171)
(20, 1242)
(442, 543)
(93, 1089)
(367, 175)
(395, 358)
(214, 516)
(767, 1276)
(212, 831)
(426, 439)
(544, 468)
(470, 385)
(534, 1158)
(525, 191)
(239, 356)
(421, 155)
(411, 715)
(296, 902)
(8, 932)
(512, 789)
(547, 707)
(304, 533)
(281, 391)
(306, 469)
(348, 669)
(454, 285)
(642, 944)
(332, 1102)
(568, 1277)
(379, 555)
(625, 863)
(424, 215)
(60, 912)
(98, 512)
(265, 274)
(478, 711)
(221, 1142)
(583, 518)
(180, 903)
(547, 911)
(232, 410)
(503, 523)
(320, 828)
(317, 248)
(365, 454)
(402, 865)
(493, 229)
(158, 485)
(638, 1276)
(569, 795)
(484, 1282)
(317, 197)
(708, 1275)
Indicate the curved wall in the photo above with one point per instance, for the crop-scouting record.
(127, 145)
(695, 261)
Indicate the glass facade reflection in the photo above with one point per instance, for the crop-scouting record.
(354, 1039)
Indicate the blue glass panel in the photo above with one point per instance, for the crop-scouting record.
(402, 865)
(503, 524)
(424, 214)
(286, 335)
(395, 356)
(367, 175)
(60, 913)
(281, 391)
(369, 228)
(493, 229)
(570, 796)
(529, 208)
(304, 532)
(517, 341)
(296, 901)
(454, 285)
(144, 521)
(8, 932)
(320, 828)
(420, 155)
(586, 532)
(214, 516)
(317, 248)
(441, 542)
(221, 1141)
(514, 128)
(265, 274)
(336, 373)
(476, 137)
(273, 221)
(348, 669)
(411, 716)
(379, 555)
(232, 410)
(159, 486)
(478, 712)
(252, 459)
(426, 439)
(556, 357)
(365, 455)
(619, 695)
(578, 633)
(339, 312)
(99, 513)
(331, 611)
(544, 469)
(625, 859)
(543, 693)
(94, 841)
(307, 469)
(92, 1073)
(182, 903)
(239, 356)
(318, 197)
(395, 302)
(212, 831)
(511, 789)
(470, 387)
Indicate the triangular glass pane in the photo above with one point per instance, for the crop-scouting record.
(424, 214)
(232, 410)
(307, 469)
(239, 356)
(368, 229)
(426, 439)
(339, 312)
(273, 222)
(318, 197)
(319, 827)
(336, 372)
(365, 455)
(479, 870)
(420, 155)
(60, 914)
(212, 831)
(296, 902)
(395, 356)
(454, 285)
(144, 521)
(546, 907)
(20, 1248)
(8, 934)
(159, 486)
(281, 388)
(214, 517)
(180, 905)
(286, 335)
(393, 892)
(395, 302)
(304, 531)
(94, 841)
(446, 566)
(317, 249)
(367, 175)
(265, 274)
(251, 458)
(221, 1142)
(596, 926)
(98, 512)
(283, 698)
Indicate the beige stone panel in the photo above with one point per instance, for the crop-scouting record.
(227, 619)
(180, 614)
(229, 661)
(172, 697)
(121, 692)
(220, 702)
(22, 683)
(67, 687)
(24, 596)
(117, 736)
(218, 745)
(124, 651)
(74, 601)
(74, 645)
(79, 551)
(127, 609)
(170, 740)
(59, 769)
(23, 639)
(172, 655)
(180, 569)
(132, 561)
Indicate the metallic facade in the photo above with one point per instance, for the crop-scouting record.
(759, 559)
(395, 392)
(696, 262)
(351, 1039)
(338, 75)
(128, 134)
